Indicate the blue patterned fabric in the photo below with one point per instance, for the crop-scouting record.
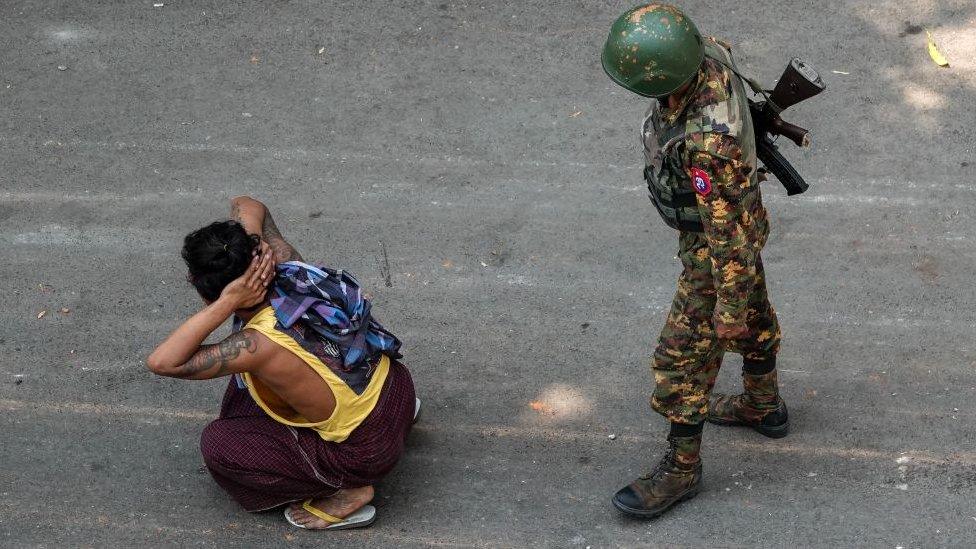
(331, 303)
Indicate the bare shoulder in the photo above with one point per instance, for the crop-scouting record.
(261, 348)
(277, 364)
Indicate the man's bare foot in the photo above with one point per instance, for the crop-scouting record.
(340, 505)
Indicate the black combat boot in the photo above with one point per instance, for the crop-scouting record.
(676, 478)
(759, 406)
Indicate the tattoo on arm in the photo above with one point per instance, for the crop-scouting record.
(235, 212)
(270, 233)
(219, 355)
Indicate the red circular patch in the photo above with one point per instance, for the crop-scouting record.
(701, 182)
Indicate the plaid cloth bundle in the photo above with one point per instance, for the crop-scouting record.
(331, 303)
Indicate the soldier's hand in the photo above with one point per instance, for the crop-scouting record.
(730, 331)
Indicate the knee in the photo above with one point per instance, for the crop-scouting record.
(212, 442)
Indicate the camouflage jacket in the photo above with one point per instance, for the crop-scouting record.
(720, 162)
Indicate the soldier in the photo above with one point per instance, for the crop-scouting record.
(700, 154)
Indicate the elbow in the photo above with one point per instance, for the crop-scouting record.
(156, 365)
(244, 199)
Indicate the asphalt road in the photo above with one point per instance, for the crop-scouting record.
(474, 167)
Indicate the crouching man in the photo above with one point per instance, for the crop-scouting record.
(318, 407)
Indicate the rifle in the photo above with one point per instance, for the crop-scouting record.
(798, 83)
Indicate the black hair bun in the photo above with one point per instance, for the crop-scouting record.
(216, 255)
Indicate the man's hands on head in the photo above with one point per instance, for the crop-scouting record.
(265, 248)
(183, 355)
(250, 288)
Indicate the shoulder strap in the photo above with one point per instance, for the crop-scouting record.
(264, 323)
(729, 63)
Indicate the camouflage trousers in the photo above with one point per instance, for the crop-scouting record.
(689, 355)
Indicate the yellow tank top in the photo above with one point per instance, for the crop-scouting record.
(351, 409)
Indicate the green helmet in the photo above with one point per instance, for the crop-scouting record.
(653, 50)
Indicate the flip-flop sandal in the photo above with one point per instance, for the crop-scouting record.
(360, 519)
(416, 410)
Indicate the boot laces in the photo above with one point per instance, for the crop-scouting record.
(664, 466)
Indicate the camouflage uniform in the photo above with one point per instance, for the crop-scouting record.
(722, 280)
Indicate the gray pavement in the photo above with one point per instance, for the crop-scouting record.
(474, 167)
